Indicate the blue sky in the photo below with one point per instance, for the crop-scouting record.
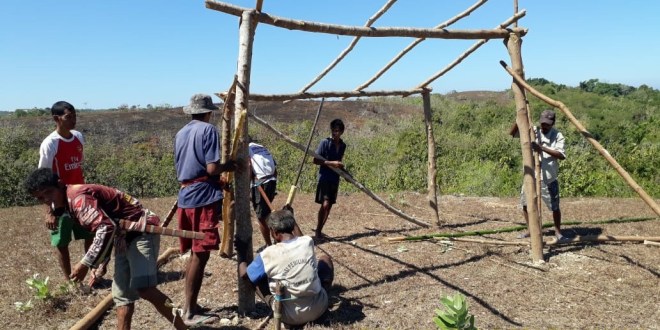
(101, 54)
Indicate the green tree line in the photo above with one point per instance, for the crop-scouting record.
(475, 155)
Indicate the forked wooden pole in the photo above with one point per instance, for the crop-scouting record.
(227, 243)
(629, 180)
(242, 206)
(513, 45)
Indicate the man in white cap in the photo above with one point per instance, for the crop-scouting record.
(198, 168)
(551, 147)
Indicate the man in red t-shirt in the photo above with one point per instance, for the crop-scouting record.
(62, 151)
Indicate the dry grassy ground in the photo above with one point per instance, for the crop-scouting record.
(394, 285)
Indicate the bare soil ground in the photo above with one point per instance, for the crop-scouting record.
(393, 285)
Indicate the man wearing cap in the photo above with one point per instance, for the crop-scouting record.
(198, 168)
(550, 144)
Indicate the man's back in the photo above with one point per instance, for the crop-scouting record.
(195, 146)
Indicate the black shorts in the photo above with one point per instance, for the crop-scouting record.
(326, 191)
(258, 203)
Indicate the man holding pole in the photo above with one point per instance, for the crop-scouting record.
(551, 147)
(198, 169)
(293, 264)
(332, 149)
(98, 209)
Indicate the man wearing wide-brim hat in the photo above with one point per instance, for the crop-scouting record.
(198, 168)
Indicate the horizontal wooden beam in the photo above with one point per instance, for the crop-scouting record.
(308, 95)
(361, 31)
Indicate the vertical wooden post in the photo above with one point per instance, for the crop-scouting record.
(246, 302)
(432, 172)
(513, 45)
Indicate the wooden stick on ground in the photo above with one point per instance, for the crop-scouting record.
(105, 304)
(629, 180)
(604, 238)
(481, 241)
(647, 242)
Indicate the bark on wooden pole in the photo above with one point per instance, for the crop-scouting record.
(622, 172)
(342, 174)
(513, 45)
(432, 172)
(246, 302)
(417, 42)
(309, 26)
(328, 94)
(227, 246)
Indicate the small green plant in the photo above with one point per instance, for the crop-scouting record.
(23, 306)
(454, 315)
(42, 292)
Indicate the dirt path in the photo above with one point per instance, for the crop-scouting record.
(398, 285)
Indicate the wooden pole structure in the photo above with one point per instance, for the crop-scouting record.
(417, 42)
(431, 176)
(309, 26)
(469, 51)
(342, 174)
(513, 45)
(315, 95)
(350, 47)
(227, 243)
(629, 180)
(88, 320)
(246, 302)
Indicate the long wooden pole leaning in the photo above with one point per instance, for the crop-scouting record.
(629, 180)
(431, 176)
(513, 45)
(417, 42)
(343, 174)
(294, 187)
(350, 47)
(88, 320)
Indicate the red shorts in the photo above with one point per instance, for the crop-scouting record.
(203, 219)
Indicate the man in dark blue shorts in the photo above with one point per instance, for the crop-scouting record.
(332, 149)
